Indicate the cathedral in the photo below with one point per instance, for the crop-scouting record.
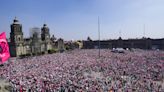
(36, 44)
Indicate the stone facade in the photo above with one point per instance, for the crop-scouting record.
(143, 43)
(38, 43)
(60, 45)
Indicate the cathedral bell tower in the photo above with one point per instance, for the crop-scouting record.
(45, 36)
(16, 34)
(16, 39)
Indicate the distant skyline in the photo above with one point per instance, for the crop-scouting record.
(78, 19)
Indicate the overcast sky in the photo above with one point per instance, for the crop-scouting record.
(77, 19)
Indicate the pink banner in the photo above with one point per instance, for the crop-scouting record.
(4, 48)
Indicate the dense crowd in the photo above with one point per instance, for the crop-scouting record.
(84, 71)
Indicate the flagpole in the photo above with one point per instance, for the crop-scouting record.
(120, 33)
(99, 34)
(144, 31)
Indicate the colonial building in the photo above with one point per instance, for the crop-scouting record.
(143, 43)
(37, 43)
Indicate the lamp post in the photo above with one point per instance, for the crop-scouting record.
(99, 35)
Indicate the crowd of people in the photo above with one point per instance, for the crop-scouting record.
(85, 71)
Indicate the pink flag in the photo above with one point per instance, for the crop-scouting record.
(21, 89)
(4, 48)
